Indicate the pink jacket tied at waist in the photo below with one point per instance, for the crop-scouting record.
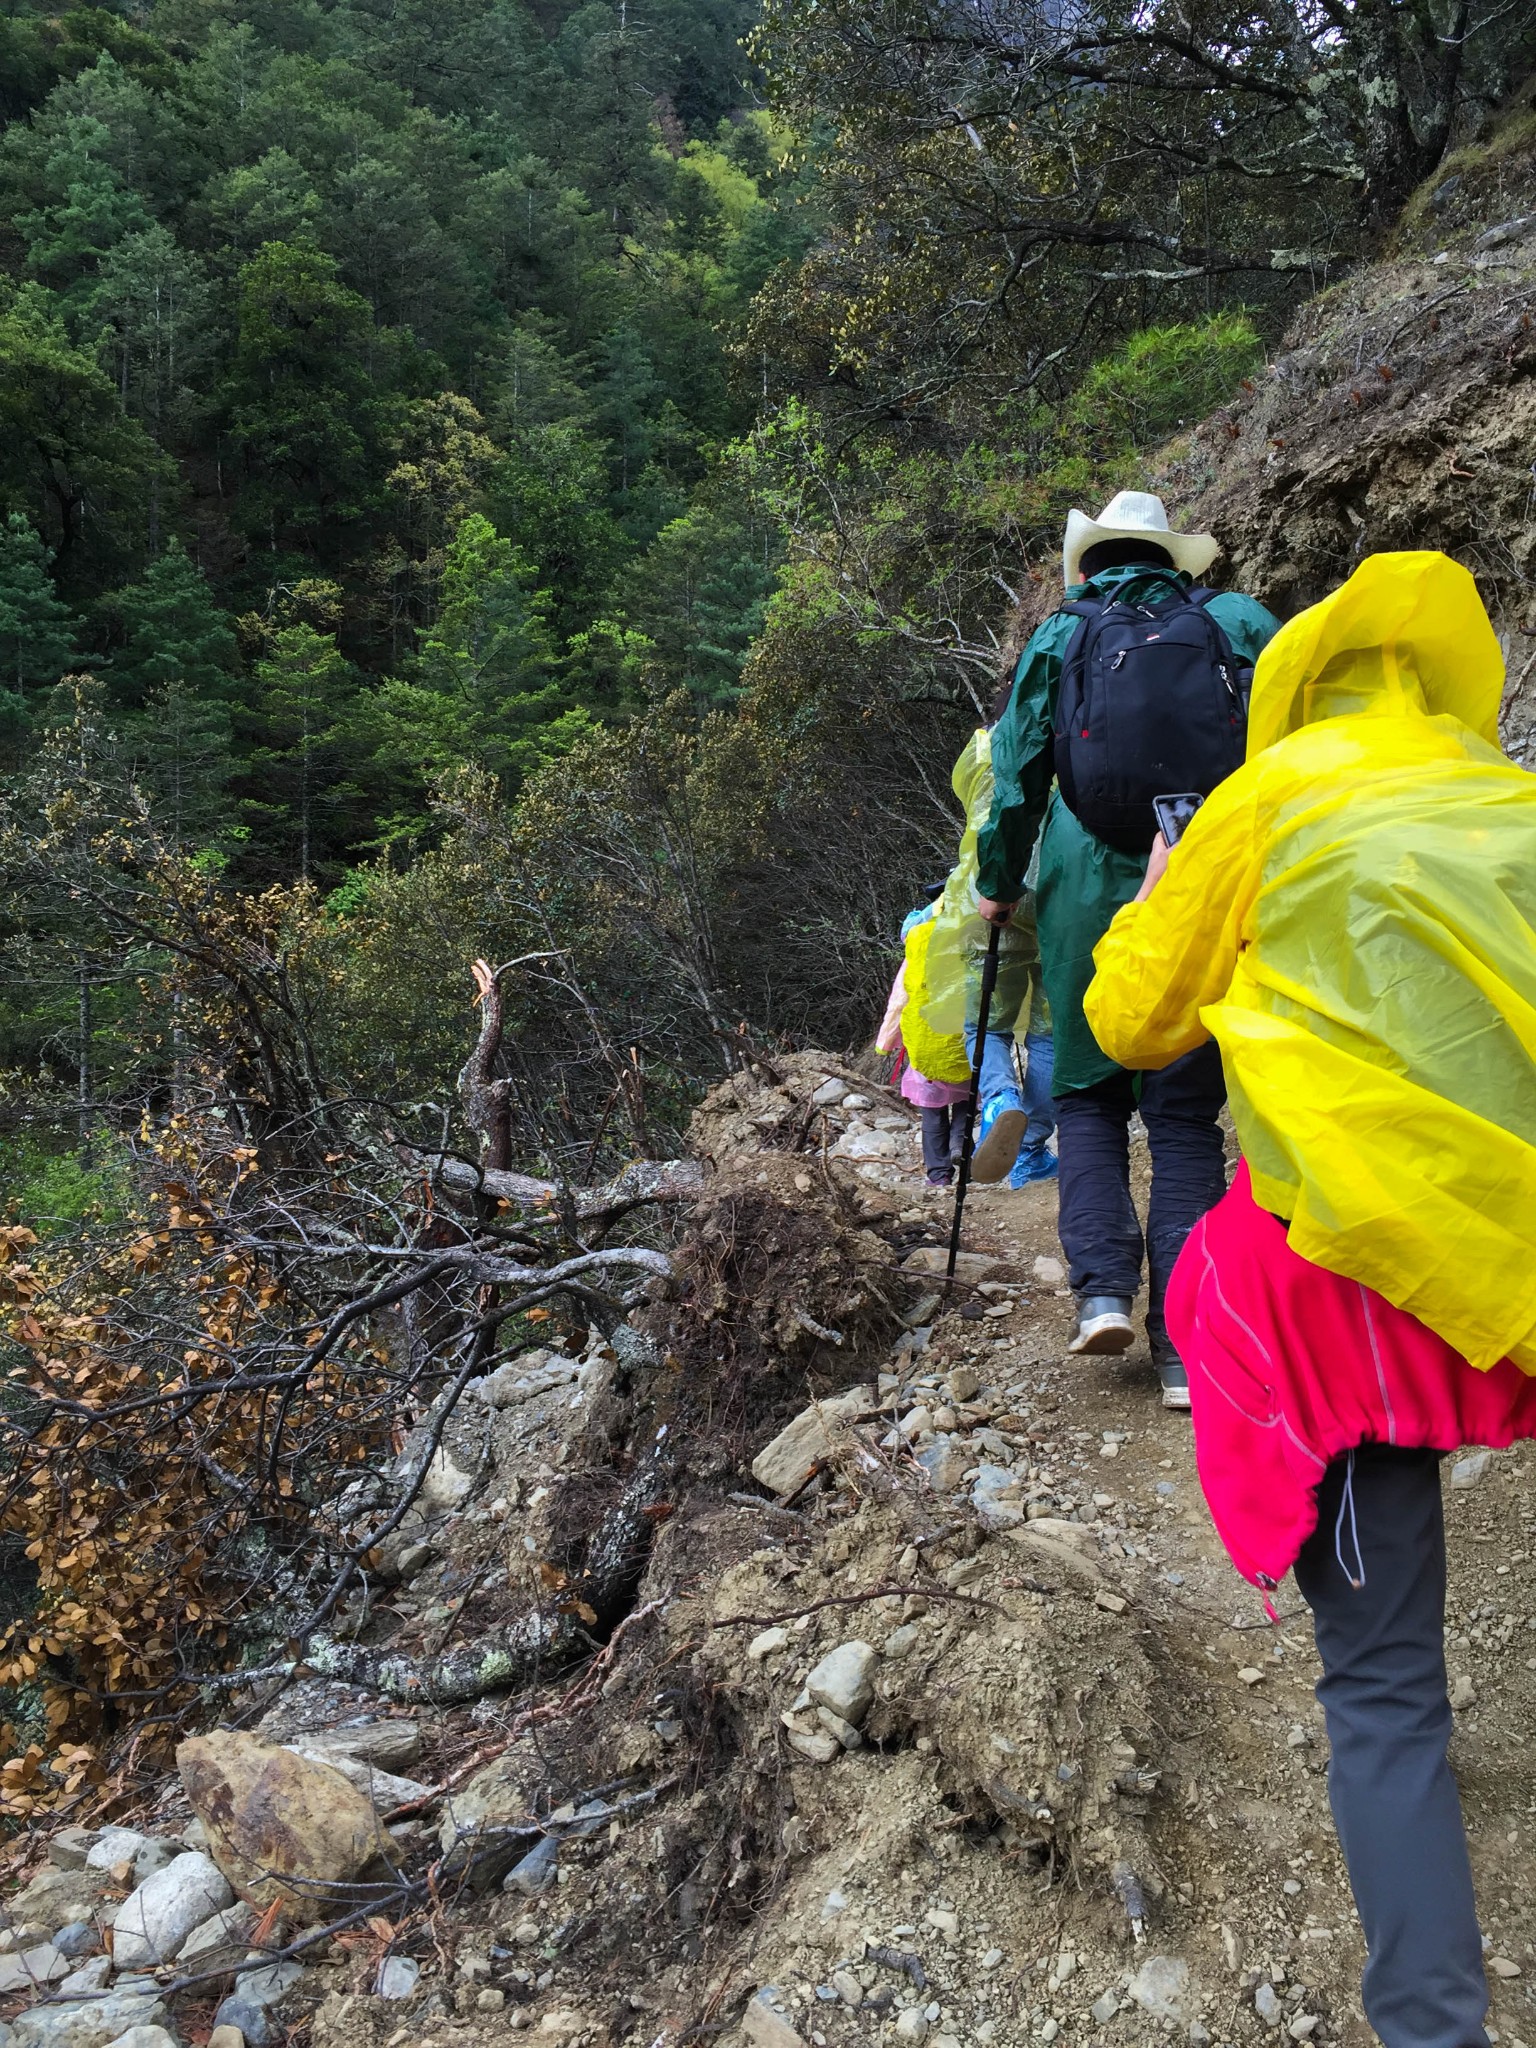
(1290, 1366)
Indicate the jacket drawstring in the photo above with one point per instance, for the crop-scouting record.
(1356, 1578)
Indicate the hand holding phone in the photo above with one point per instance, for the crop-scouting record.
(1173, 814)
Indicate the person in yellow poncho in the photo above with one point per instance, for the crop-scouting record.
(936, 1074)
(1012, 1137)
(1352, 917)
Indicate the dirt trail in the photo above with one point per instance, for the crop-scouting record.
(1081, 1716)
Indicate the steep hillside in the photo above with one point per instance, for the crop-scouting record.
(1401, 411)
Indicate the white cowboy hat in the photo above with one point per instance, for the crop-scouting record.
(1134, 515)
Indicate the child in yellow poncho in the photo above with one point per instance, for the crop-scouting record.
(935, 1074)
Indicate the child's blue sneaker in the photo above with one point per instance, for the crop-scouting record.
(999, 1135)
(1035, 1162)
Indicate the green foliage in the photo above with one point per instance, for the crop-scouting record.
(66, 447)
(50, 1190)
(304, 408)
(482, 690)
(37, 631)
(300, 797)
(166, 631)
(1162, 379)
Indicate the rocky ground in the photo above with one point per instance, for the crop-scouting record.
(937, 1713)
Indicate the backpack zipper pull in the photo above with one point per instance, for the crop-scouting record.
(1119, 658)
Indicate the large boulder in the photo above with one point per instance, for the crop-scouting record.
(281, 1826)
(154, 1921)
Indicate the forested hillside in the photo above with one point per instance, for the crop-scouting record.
(411, 412)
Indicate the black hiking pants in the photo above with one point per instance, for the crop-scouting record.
(1389, 1721)
(1100, 1233)
(943, 1137)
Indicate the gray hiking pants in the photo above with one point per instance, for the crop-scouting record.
(1383, 1692)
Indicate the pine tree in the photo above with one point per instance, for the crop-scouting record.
(172, 632)
(182, 757)
(483, 687)
(37, 630)
(301, 793)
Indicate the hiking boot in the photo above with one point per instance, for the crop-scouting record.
(1104, 1326)
(998, 1136)
(1172, 1377)
(1034, 1163)
(940, 1177)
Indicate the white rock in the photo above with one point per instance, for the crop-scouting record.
(864, 1143)
(1463, 1692)
(398, 1976)
(943, 1921)
(1048, 1271)
(821, 1749)
(836, 1726)
(911, 2027)
(524, 1378)
(382, 1787)
(113, 1846)
(270, 1984)
(1467, 1471)
(786, 1463)
(92, 1976)
(226, 1937)
(154, 1921)
(446, 1486)
(1266, 2003)
(32, 1969)
(145, 2037)
(852, 1102)
(1161, 1987)
(844, 1680)
(831, 1090)
(764, 1645)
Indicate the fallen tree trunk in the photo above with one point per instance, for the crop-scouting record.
(648, 1180)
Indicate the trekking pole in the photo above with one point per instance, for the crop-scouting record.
(983, 1015)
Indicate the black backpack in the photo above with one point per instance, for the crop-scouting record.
(1152, 702)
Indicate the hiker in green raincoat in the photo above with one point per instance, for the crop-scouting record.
(1126, 557)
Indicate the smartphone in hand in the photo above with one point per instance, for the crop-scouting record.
(1173, 813)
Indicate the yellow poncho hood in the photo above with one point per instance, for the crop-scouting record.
(1353, 917)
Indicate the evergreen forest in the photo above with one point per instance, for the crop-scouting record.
(558, 481)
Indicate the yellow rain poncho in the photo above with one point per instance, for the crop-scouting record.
(1352, 915)
(960, 937)
(937, 1055)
